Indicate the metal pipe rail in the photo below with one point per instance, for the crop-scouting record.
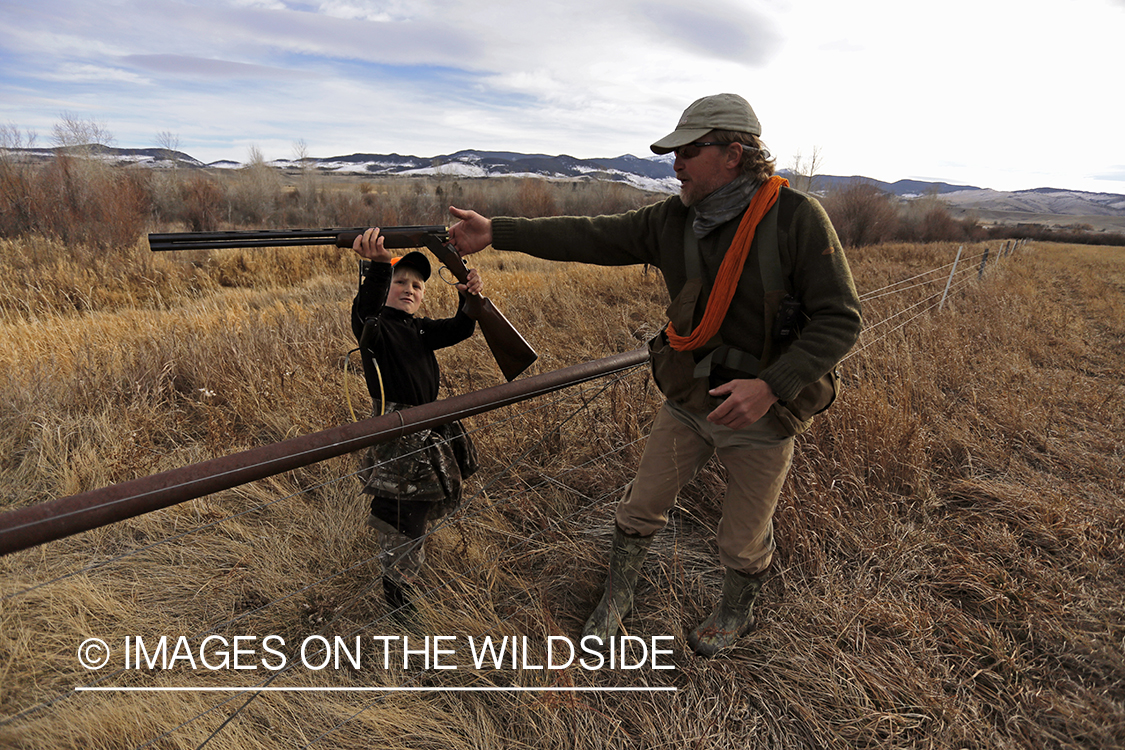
(34, 525)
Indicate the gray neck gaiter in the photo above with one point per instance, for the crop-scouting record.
(724, 204)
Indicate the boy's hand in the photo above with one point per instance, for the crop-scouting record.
(474, 284)
(473, 287)
(369, 245)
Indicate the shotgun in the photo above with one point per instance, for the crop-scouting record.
(512, 352)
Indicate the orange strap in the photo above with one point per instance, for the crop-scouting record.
(730, 271)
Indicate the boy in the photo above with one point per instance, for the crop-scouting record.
(416, 479)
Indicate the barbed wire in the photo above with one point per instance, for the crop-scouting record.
(873, 295)
(514, 463)
(382, 699)
(855, 352)
(961, 277)
(463, 574)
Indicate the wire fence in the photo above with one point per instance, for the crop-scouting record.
(927, 290)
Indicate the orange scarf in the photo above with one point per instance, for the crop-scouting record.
(730, 271)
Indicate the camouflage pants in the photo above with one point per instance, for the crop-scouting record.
(402, 556)
(414, 481)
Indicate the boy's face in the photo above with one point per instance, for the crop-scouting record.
(407, 291)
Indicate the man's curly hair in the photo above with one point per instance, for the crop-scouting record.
(757, 161)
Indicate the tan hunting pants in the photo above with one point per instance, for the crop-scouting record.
(757, 459)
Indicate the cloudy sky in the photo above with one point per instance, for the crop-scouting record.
(1007, 94)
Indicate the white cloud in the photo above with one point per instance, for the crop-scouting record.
(91, 73)
(184, 66)
(721, 30)
(1003, 94)
(358, 10)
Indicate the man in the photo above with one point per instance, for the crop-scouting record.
(763, 309)
(416, 479)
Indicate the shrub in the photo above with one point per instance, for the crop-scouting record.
(202, 203)
(862, 214)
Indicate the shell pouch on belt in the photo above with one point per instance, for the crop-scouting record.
(684, 381)
(674, 371)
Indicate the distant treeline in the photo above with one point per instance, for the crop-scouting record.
(1080, 234)
(77, 197)
(865, 215)
(81, 199)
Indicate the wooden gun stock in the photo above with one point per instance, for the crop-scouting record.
(512, 352)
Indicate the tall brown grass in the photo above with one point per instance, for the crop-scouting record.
(950, 544)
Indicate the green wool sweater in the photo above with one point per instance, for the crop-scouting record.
(812, 261)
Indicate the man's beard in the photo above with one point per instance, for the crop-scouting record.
(689, 195)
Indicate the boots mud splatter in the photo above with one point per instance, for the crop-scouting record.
(732, 618)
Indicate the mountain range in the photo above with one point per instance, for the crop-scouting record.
(652, 173)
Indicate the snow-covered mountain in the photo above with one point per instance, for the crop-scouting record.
(1040, 201)
(653, 173)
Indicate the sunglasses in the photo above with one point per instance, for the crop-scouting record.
(691, 150)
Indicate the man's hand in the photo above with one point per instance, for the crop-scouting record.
(369, 245)
(472, 232)
(746, 402)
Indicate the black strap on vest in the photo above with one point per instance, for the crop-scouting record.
(769, 266)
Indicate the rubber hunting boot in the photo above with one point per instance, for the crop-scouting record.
(732, 618)
(627, 556)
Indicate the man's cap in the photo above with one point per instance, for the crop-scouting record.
(415, 260)
(718, 112)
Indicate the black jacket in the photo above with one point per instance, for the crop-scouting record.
(402, 344)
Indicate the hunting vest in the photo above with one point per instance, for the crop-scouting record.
(686, 382)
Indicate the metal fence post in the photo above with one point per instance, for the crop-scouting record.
(950, 279)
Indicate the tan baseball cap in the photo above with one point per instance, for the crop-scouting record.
(718, 112)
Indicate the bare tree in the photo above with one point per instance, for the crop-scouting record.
(81, 175)
(79, 137)
(168, 196)
(308, 188)
(301, 153)
(805, 170)
(257, 189)
(170, 142)
(11, 138)
(19, 199)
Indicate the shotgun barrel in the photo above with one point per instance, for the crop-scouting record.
(394, 238)
(512, 352)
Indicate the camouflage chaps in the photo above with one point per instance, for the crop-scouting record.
(413, 482)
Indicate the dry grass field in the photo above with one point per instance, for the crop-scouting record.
(951, 548)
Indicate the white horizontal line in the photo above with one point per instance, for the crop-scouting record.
(373, 689)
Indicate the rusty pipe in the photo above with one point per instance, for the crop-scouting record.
(28, 527)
